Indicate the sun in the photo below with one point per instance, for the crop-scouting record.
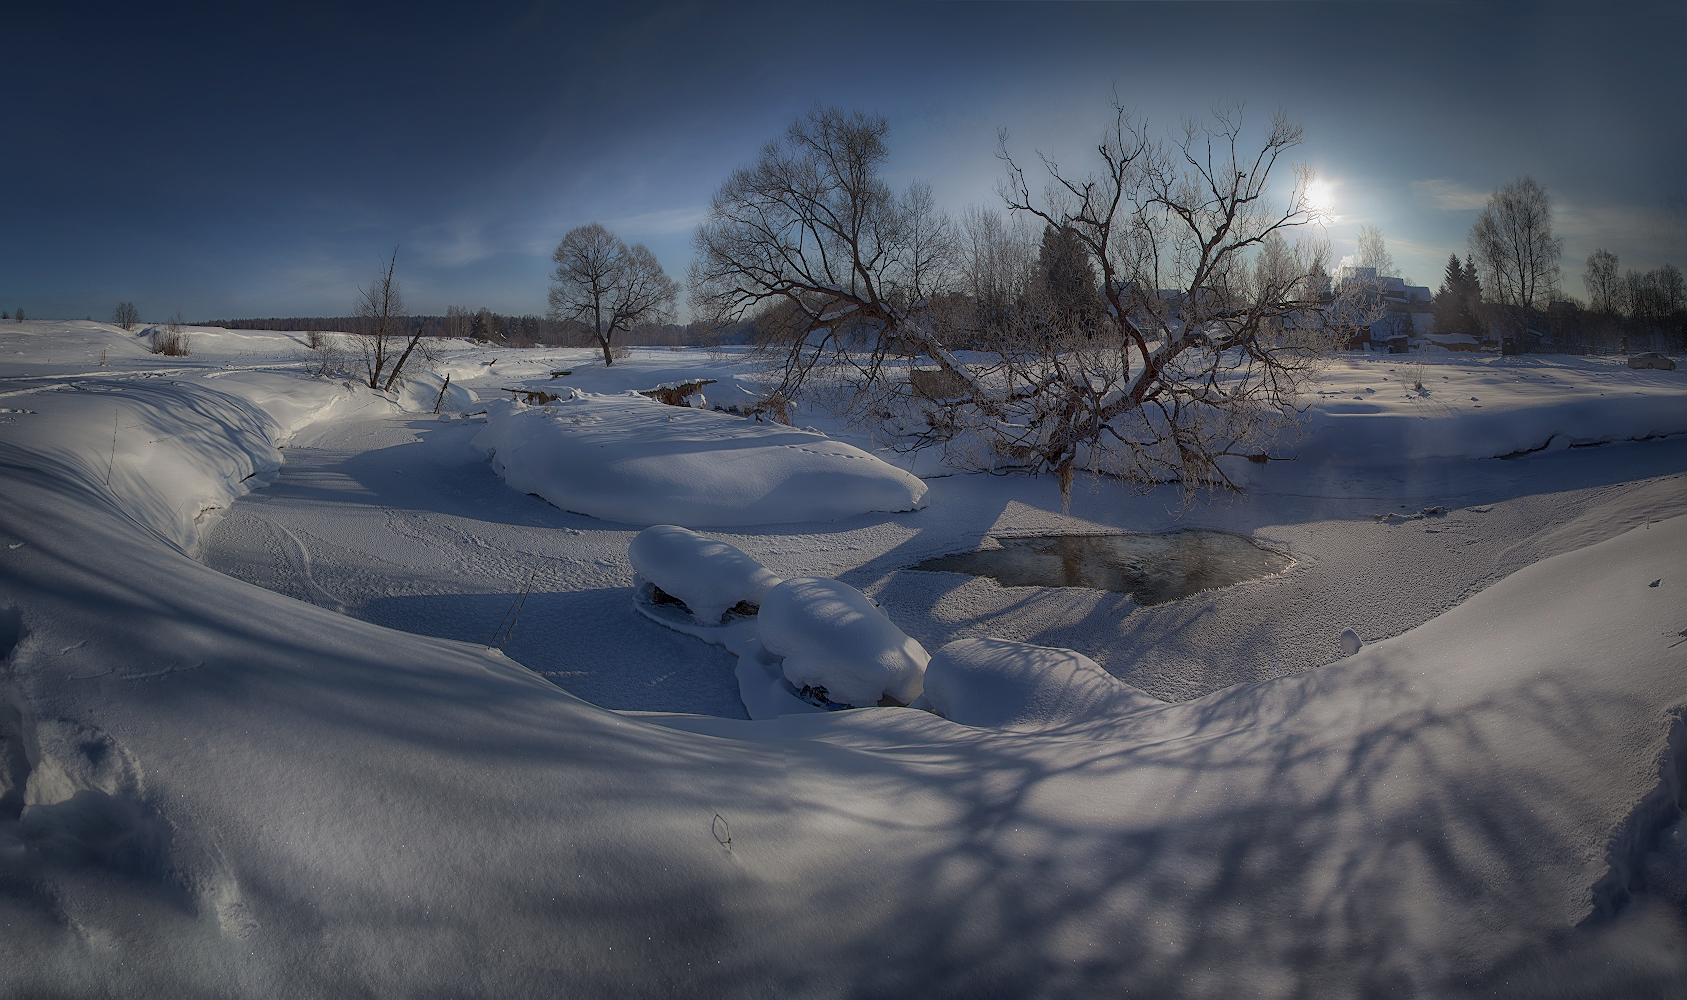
(1321, 198)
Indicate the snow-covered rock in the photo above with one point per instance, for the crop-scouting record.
(1000, 684)
(831, 637)
(710, 576)
(630, 459)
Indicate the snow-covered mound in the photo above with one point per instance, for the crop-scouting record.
(630, 459)
(1014, 685)
(709, 576)
(834, 642)
(426, 392)
(1391, 410)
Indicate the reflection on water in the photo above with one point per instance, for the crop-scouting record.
(1152, 569)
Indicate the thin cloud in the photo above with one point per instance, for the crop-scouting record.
(454, 243)
(663, 223)
(1449, 195)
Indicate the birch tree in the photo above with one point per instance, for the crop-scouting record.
(1514, 245)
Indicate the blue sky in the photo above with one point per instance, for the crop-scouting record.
(233, 162)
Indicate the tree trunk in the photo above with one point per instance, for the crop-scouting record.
(602, 338)
(403, 358)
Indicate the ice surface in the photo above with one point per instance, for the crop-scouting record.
(831, 639)
(1152, 569)
(630, 459)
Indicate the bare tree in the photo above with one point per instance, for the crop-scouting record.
(933, 251)
(1602, 281)
(381, 329)
(457, 322)
(126, 315)
(816, 246)
(1514, 245)
(1211, 319)
(608, 286)
(1373, 252)
(1673, 287)
(998, 261)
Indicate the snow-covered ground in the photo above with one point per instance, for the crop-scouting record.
(211, 788)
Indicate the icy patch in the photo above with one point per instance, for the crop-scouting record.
(1152, 569)
(630, 459)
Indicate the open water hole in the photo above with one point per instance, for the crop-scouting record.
(1153, 569)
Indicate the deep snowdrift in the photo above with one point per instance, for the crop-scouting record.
(224, 791)
(630, 459)
(1394, 410)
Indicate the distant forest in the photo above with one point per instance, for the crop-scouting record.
(507, 331)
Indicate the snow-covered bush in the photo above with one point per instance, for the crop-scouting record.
(710, 577)
(838, 646)
(172, 340)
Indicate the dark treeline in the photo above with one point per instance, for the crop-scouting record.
(1633, 311)
(505, 331)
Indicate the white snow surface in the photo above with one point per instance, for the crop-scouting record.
(709, 575)
(1014, 685)
(209, 789)
(630, 459)
(1373, 411)
(829, 635)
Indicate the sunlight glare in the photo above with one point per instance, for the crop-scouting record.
(1320, 198)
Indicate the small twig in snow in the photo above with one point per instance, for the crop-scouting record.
(513, 615)
(113, 459)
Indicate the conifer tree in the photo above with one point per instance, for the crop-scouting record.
(1472, 299)
(1068, 279)
(1451, 298)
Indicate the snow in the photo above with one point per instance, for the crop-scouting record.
(998, 684)
(630, 459)
(424, 390)
(211, 788)
(1368, 412)
(710, 576)
(831, 639)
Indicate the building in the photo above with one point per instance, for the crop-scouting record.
(1406, 314)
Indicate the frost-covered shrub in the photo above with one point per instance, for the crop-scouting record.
(710, 577)
(838, 645)
(172, 340)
